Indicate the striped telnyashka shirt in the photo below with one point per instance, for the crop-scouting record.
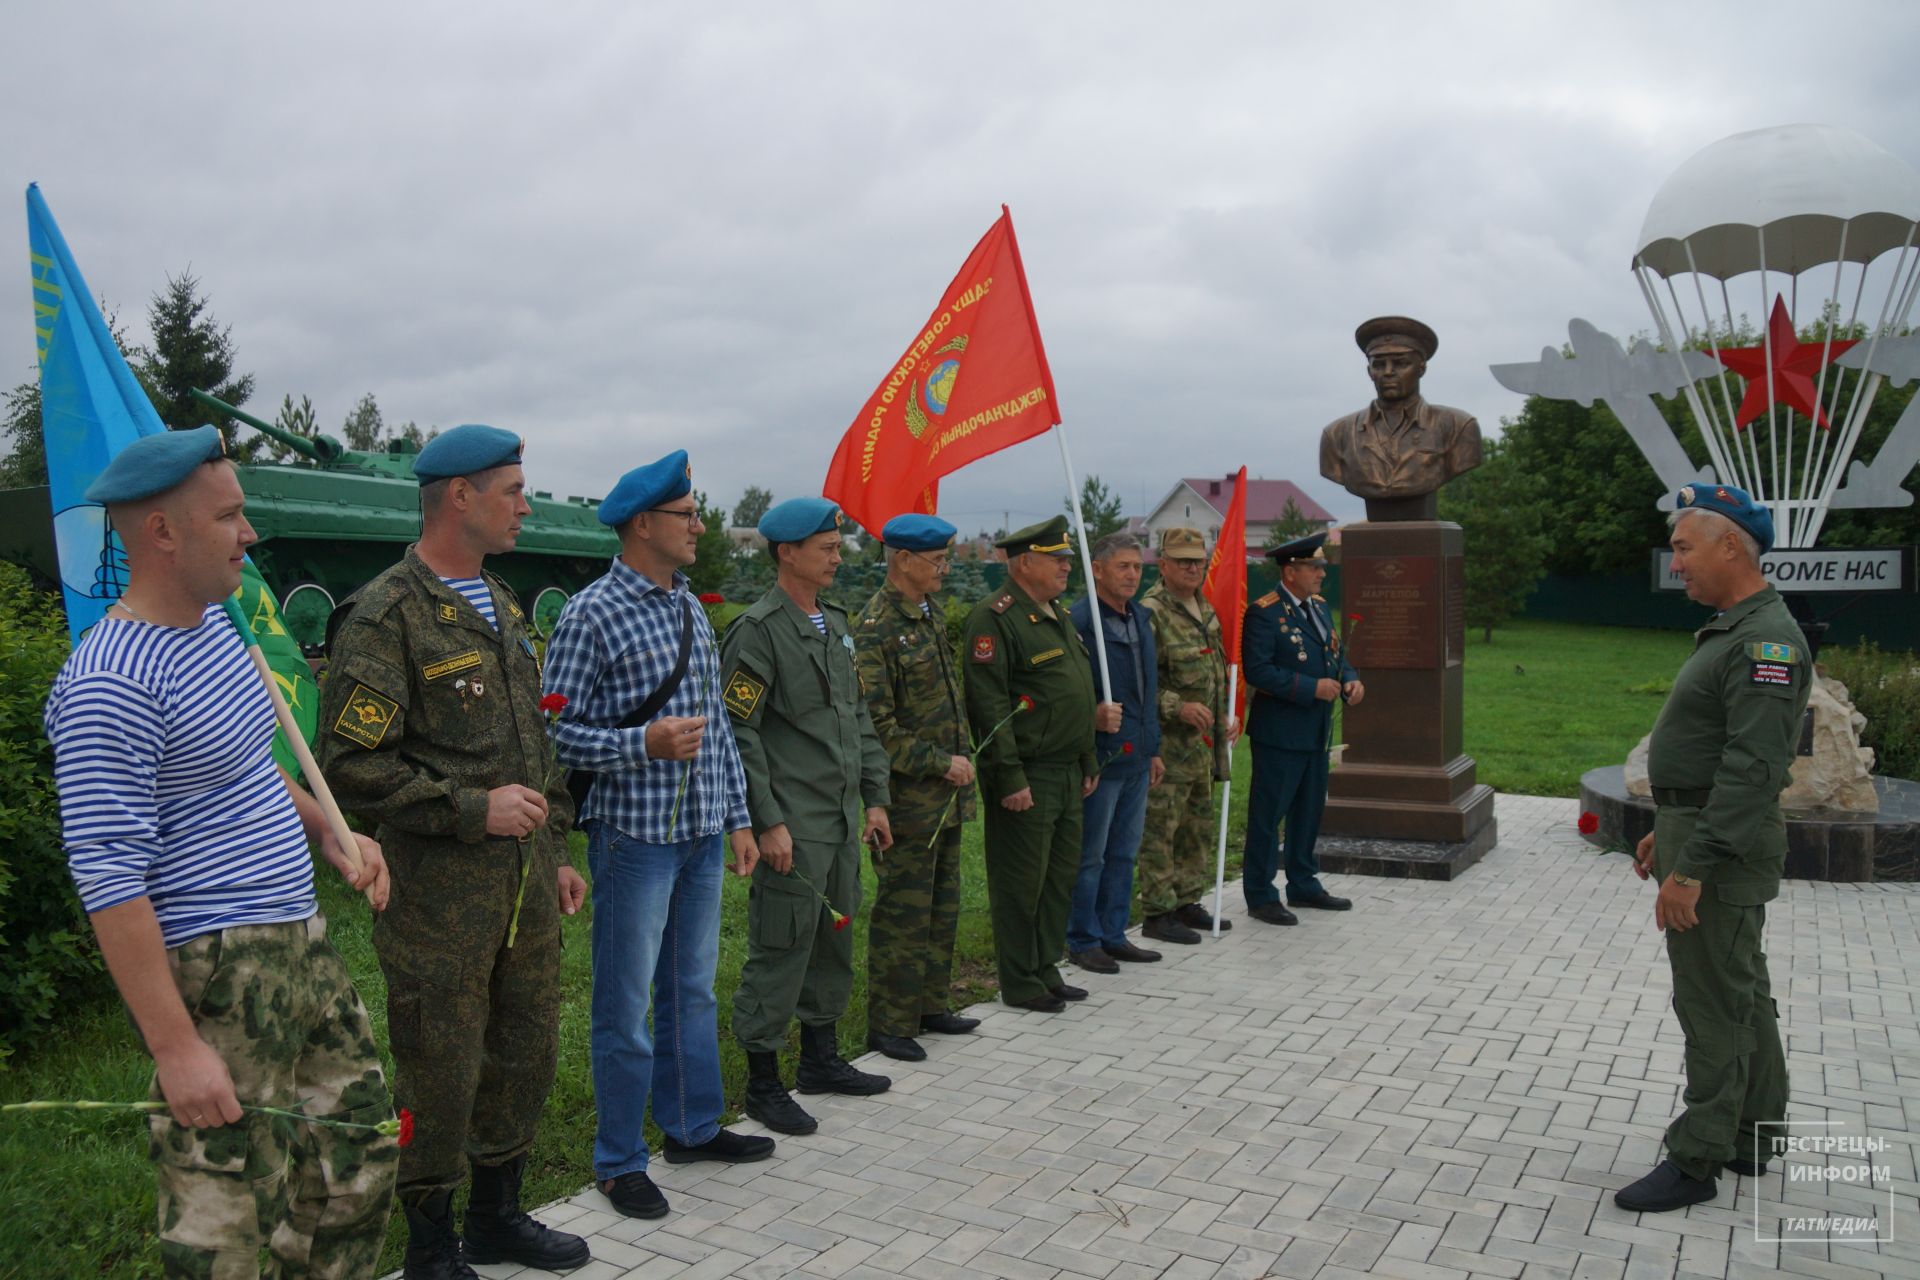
(478, 594)
(162, 755)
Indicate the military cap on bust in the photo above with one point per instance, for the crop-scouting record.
(466, 450)
(1397, 330)
(918, 533)
(1183, 542)
(1048, 538)
(1736, 505)
(798, 519)
(644, 488)
(1307, 548)
(154, 464)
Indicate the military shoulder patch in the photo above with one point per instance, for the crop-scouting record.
(448, 613)
(1776, 674)
(743, 693)
(983, 649)
(1004, 603)
(1267, 600)
(366, 717)
(1769, 651)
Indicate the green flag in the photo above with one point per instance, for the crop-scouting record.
(282, 652)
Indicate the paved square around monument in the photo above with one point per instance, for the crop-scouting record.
(1448, 1081)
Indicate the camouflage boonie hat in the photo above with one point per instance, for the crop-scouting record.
(1183, 543)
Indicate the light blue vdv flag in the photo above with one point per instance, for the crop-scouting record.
(91, 407)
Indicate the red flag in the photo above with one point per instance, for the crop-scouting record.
(973, 381)
(1226, 582)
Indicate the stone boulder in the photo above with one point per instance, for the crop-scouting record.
(1839, 773)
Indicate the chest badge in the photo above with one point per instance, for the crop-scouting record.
(447, 613)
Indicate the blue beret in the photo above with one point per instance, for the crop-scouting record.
(1735, 504)
(917, 533)
(1307, 548)
(466, 450)
(798, 519)
(154, 464)
(647, 486)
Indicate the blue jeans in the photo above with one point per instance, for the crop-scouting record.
(656, 941)
(1115, 815)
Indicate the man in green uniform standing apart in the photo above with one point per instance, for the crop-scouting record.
(1022, 651)
(912, 686)
(816, 791)
(430, 727)
(1176, 863)
(1718, 761)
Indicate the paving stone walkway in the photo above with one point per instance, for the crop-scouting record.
(1449, 1081)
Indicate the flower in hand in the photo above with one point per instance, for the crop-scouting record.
(553, 704)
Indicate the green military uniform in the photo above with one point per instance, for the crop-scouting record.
(1016, 648)
(914, 697)
(1177, 846)
(425, 709)
(813, 763)
(1717, 762)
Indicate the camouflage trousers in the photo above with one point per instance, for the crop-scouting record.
(1177, 846)
(271, 1196)
(916, 911)
(474, 1024)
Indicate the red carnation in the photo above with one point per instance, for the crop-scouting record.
(1206, 651)
(1204, 738)
(553, 703)
(1126, 748)
(406, 1116)
(1353, 617)
(1589, 823)
(712, 597)
(839, 922)
(1025, 703)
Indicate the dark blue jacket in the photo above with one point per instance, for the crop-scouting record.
(1139, 714)
(1283, 659)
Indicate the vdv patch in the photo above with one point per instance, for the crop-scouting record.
(1768, 651)
(366, 717)
(983, 648)
(743, 694)
(447, 613)
(449, 666)
(1771, 673)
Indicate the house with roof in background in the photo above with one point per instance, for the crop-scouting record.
(1202, 504)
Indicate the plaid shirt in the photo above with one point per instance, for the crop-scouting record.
(615, 643)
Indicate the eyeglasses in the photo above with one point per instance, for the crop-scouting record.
(939, 564)
(689, 514)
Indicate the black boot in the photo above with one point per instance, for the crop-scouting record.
(433, 1250)
(768, 1100)
(823, 1070)
(498, 1230)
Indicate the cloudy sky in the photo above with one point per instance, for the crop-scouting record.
(624, 228)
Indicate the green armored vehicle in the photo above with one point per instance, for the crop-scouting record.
(331, 521)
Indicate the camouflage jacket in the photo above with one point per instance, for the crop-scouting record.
(1193, 668)
(425, 708)
(912, 686)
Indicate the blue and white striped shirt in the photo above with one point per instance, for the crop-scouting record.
(614, 644)
(162, 754)
(478, 594)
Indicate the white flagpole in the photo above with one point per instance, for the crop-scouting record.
(1226, 794)
(1086, 564)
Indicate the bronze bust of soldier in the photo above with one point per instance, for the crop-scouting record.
(1399, 450)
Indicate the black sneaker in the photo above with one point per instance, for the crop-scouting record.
(725, 1146)
(634, 1195)
(1665, 1189)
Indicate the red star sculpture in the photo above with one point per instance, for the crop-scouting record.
(1795, 365)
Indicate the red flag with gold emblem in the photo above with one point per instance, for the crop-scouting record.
(973, 381)
(1226, 582)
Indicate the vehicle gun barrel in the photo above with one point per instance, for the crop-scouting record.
(320, 448)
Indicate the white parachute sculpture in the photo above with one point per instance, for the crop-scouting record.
(1801, 224)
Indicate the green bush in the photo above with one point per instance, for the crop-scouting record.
(1885, 687)
(47, 952)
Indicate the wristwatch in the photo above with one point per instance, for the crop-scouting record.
(1685, 882)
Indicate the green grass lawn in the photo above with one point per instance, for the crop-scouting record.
(1545, 702)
